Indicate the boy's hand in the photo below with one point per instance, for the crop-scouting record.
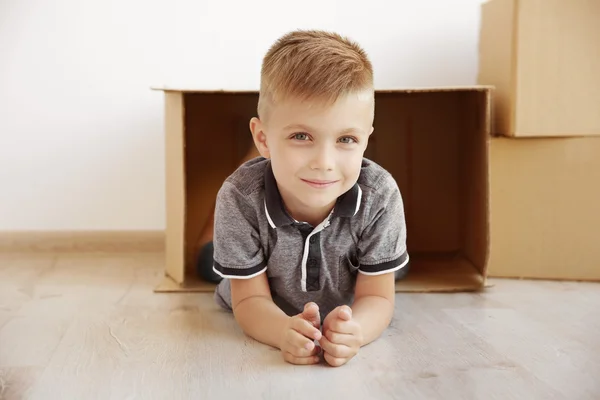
(297, 343)
(342, 336)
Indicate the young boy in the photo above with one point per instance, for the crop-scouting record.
(309, 235)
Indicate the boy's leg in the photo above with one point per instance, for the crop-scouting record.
(401, 273)
(204, 266)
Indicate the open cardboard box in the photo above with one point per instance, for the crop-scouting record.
(434, 142)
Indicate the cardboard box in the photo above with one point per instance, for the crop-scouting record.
(545, 208)
(543, 58)
(433, 141)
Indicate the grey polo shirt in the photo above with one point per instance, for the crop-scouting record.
(254, 234)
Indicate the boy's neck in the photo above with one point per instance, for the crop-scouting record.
(312, 216)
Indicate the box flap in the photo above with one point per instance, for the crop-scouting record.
(193, 89)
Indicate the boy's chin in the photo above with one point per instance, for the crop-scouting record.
(319, 202)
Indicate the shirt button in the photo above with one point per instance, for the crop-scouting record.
(313, 239)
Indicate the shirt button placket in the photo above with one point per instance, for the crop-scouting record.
(313, 264)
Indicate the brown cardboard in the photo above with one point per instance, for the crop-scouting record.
(542, 56)
(434, 141)
(545, 208)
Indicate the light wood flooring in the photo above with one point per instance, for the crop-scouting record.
(88, 326)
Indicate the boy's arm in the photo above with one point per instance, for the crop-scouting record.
(382, 252)
(255, 311)
(238, 256)
(373, 306)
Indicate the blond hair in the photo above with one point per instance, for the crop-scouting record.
(313, 64)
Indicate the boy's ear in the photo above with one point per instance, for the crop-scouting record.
(259, 137)
(368, 139)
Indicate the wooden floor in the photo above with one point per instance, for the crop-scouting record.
(88, 326)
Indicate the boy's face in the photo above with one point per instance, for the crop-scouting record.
(316, 151)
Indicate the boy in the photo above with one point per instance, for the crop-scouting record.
(308, 236)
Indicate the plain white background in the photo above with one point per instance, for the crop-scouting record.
(81, 133)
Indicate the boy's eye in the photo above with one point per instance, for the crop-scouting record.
(347, 139)
(300, 136)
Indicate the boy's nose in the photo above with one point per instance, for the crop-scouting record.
(323, 160)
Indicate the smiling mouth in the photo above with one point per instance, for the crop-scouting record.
(318, 183)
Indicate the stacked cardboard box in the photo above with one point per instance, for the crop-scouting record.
(543, 57)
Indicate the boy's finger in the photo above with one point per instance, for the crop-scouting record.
(335, 350)
(345, 313)
(311, 309)
(306, 328)
(292, 359)
(346, 339)
(340, 326)
(326, 345)
(335, 361)
(311, 314)
(301, 352)
(301, 345)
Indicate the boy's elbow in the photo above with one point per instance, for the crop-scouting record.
(387, 309)
(244, 306)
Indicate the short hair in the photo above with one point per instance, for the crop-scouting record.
(313, 64)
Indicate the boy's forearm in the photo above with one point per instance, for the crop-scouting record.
(262, 320)
(374, 314)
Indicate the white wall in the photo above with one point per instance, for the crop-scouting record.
(81, 143)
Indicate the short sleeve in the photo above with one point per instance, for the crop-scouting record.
(237, 247)
(382, 244)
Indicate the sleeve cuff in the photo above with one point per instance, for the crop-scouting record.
(239, 273)
(385, 267)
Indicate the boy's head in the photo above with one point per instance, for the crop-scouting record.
(315, 116)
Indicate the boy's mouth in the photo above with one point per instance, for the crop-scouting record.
(318, 183)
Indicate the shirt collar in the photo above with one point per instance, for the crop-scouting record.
(347, 205)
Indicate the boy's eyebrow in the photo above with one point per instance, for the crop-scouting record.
(309, 129)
